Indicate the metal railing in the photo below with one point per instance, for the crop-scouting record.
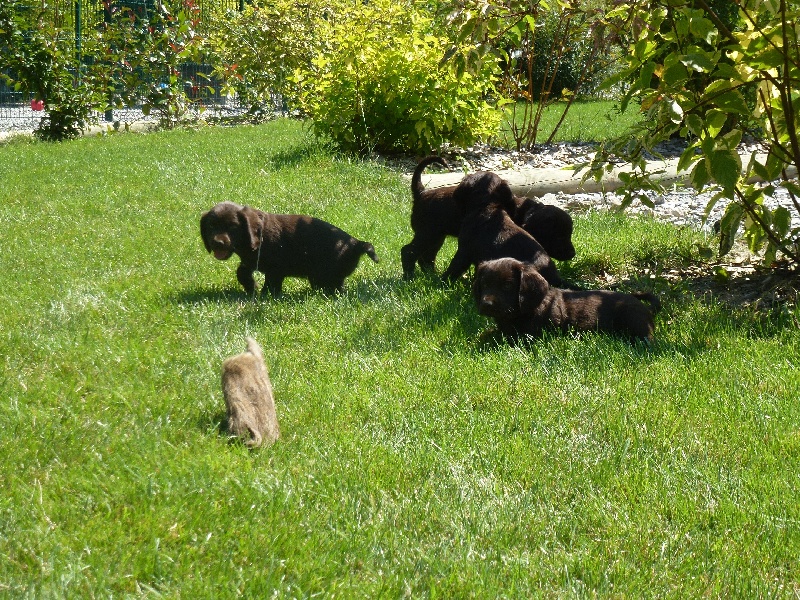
(19, 110)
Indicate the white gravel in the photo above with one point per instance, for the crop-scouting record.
(678, 205)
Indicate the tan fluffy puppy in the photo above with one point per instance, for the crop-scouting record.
(248, 397)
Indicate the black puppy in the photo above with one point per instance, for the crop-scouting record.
(435, 215)
(522, 302)
(487, 230)
(550, 225)
(281, 246)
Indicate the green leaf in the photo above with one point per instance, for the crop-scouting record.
(715, 122)
(675, 75)
(732, 102)
(772, 58)
(688, 156)
(704, 29)
(725, 167)
(726, 71)
(716, 87)
(531, 22)
(781, 221)
(646, 75)
(774, 164)
(792, 187)
(754, 233)
(643, 49)
(695, 124)
(761, 171)
(728, 226)
(711, 204)
(613, 80)
(730, 140)
(674, 111)
(699, 62)
(700, 176)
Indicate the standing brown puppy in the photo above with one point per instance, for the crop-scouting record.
(435, 215)
(248, 397)
(521, 301)
(281, 246)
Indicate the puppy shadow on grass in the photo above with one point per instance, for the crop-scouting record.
(365, 290)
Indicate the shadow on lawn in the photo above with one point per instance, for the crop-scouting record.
(698, 305)
(362, 290)
(296, 155)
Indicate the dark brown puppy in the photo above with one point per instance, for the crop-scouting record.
(522, 302)
(488, 232)
(248, 397)
(435, 215)
(550, 225)
(281, 246)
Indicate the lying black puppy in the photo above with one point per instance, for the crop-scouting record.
(281, 246)
(522, 302)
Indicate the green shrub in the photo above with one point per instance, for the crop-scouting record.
(41, 60)
(548, 53)
(696, 78)
(256, 51)
(376, 84)
(143, 54)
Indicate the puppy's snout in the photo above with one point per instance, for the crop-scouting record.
(220, 245)
(487, 304)
(220, 241)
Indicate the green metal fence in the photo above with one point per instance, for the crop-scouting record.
(74, 17)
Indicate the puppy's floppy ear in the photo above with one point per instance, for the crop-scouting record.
(252, 225)
(205, 229)
(532, 288)
(503, 195)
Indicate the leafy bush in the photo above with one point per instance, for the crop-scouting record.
(376, 83)
(132, 59)
(752, 67)
(366, 74)
(143, 55)
(41, 61)
(548, 53)
(257, 51)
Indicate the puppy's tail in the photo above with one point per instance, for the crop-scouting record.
(416, 179)
(369, 250)
(652, 299)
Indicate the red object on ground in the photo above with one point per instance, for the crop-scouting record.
(37, 104)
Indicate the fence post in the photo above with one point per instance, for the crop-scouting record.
(78, 34)
(109, 114)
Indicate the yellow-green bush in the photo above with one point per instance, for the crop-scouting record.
(366, 75)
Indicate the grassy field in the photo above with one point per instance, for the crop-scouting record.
(417, 457)
(586, 121)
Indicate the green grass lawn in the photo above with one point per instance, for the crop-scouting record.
(417, 458)
(586, 121)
